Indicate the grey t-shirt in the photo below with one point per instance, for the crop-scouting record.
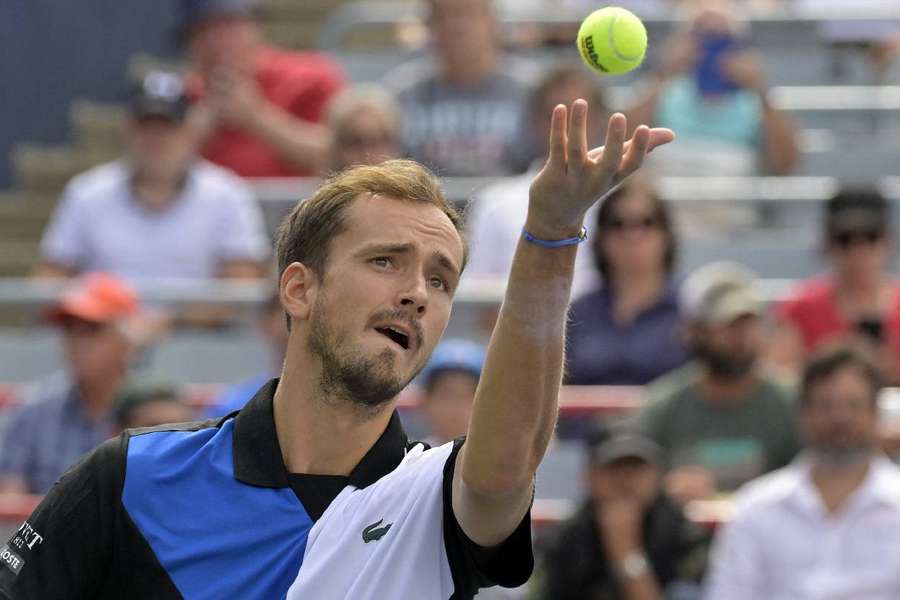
(478, 130)
(100, 226)
(738, 442)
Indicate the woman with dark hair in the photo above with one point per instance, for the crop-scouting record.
(857, 299)
(626, 332)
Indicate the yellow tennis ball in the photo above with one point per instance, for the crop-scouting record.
(612, 40)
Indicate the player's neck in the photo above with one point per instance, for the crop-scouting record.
(321, 435)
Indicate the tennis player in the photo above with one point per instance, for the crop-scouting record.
(313, 490)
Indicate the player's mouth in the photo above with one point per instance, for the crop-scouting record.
(397, 334)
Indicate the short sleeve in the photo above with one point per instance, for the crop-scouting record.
(65, 240)
(474, 567)
(63, 550)
(242, 233)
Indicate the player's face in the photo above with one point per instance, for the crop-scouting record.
(839, 418)
(386, 297)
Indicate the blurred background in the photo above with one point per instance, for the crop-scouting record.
(149, 150)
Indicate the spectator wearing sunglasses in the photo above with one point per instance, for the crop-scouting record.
(66, 419)
(857, 300)
(626, 332)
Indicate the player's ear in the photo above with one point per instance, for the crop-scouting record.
(297, 289)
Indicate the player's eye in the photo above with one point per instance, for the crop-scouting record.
(438, 283)
(382, 261)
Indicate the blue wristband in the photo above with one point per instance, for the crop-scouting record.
(582, 235)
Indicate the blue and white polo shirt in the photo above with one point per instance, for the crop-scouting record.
(208, 511)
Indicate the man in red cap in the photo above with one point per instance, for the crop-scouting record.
(66, 420)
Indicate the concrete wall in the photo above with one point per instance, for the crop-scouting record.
(52, 51)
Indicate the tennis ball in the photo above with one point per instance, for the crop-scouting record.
(612, 40)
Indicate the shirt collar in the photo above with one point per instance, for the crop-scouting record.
(257, 454)
(881, 485)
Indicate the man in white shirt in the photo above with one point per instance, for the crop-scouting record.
(824, 527)
(160, 212)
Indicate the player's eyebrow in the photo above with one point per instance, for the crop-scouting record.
(442, 259)
(446, 262)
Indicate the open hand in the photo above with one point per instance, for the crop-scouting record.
(574, 177)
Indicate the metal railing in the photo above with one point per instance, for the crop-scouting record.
(34, 294)
(349, 17)
(785, 189)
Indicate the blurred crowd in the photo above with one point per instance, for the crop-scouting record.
(773, 406)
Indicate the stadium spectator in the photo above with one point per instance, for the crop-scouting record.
(627, 331)
(720, 420)
(464, 113)
(365, 127)
(62, 422)
(497, 211)
(448, 389)
(628, 539)
(711, 88)
(260, 110)
(146, 402)
(159, 212)
(858, 299)
(273, 329)
(824, 526)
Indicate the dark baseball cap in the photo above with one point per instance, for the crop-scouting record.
(160, 94)
(855, 209)
(608, 444)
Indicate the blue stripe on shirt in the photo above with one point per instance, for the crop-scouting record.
(215, 536)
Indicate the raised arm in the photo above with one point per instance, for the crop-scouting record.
(516, 402)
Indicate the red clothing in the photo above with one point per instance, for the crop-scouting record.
(812, 309)
(300, 83)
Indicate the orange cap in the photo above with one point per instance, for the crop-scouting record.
(97, 297)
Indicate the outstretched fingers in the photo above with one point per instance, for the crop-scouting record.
(615, 141)
(558, 138)
(635, 151)
(641, 143)
(577, 146)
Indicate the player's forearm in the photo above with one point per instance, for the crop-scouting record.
(516, 403)
(302, 144)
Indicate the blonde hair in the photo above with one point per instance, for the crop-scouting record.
(305, 234)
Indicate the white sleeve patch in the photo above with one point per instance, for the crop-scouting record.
(384, 541)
